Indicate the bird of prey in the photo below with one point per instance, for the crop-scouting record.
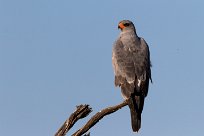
(131, 64)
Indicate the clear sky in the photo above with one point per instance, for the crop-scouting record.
(56, 54)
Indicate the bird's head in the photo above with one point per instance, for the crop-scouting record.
(125, 25)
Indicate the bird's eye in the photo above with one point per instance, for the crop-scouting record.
(126, 24)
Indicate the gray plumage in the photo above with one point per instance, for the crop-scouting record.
(131, 64)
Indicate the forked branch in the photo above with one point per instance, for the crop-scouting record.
(94, 119)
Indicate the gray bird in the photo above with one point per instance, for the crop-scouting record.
(131, 64)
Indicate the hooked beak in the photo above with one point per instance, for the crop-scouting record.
(121, 26)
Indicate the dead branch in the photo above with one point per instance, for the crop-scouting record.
(99, 116)
(81, 112)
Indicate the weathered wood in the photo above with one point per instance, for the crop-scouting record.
(97, 117)
(81, 112)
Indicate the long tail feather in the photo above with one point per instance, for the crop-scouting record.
(135, 114)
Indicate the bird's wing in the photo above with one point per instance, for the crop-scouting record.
(132, 65)
(123, 64)
(142, 66)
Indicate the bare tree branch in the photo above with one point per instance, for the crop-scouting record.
(99, 116)
(81, 112)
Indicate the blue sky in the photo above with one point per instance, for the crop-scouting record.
(55, 55)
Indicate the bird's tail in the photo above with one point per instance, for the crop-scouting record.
(135, 104)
